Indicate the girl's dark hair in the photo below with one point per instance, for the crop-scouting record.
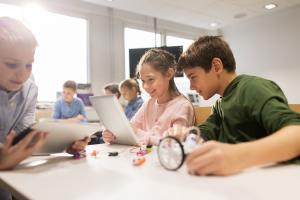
(131, 83)
(161, 61)
(113, 88)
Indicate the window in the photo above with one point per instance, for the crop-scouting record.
(182, 83)
(62, 51)
(177, 41)
(10, 11)
(138, 39)
(142, 39)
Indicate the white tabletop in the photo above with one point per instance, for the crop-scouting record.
(62, 177)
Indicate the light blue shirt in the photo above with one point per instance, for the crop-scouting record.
(65, 110)
(133, 106)
(17, 109)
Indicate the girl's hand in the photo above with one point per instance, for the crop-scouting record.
(78, 145)
(178, 131)
(108, 137)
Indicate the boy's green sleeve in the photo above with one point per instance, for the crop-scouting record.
(276, 114)
(210, 128)
(268, 106)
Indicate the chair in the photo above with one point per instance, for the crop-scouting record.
(202, 113)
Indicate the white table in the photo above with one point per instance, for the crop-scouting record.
(62, 177)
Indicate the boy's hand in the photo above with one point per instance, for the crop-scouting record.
(214, 158)
(108, 137)
(78, 145)
(77, 119)
(80, 117)
(10, 155)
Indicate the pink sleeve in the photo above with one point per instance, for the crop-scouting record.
(151, 136)
(138, 119)
(138, 122)
(185, 116)
(180, 113)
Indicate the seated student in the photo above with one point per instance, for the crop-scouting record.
(251, 123)
(69, 107)
(18, 96)
(130, 90)
(113, 89)
(166, 107)
(109, 89)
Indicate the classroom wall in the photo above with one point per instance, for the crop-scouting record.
(269, 46)
(106, 35)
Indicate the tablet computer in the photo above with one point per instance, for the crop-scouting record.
(113, 118)
(61, 134)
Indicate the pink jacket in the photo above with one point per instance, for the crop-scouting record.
(153, 119)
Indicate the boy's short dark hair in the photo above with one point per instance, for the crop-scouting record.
(202, 52)
(71, 85)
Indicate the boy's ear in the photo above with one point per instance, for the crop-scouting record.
(217, 65)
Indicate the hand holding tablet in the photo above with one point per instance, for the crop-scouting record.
(60, 134)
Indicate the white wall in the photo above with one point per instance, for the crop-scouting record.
(106, 35)
(269, 46)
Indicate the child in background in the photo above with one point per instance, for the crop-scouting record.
(166, 107)
(69, 107)
(130, 90)
(113, 89)
(18, 96)
(109, 89)
(251, 123)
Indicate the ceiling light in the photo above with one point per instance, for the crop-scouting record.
(270, 6)
(109, 0)
(214, 24)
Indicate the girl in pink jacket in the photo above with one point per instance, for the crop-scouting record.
(166, 107)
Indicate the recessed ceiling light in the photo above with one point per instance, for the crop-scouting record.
(270, 6)
(109, 0)
(214, 24)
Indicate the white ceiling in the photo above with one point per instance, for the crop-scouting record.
(198, 13)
